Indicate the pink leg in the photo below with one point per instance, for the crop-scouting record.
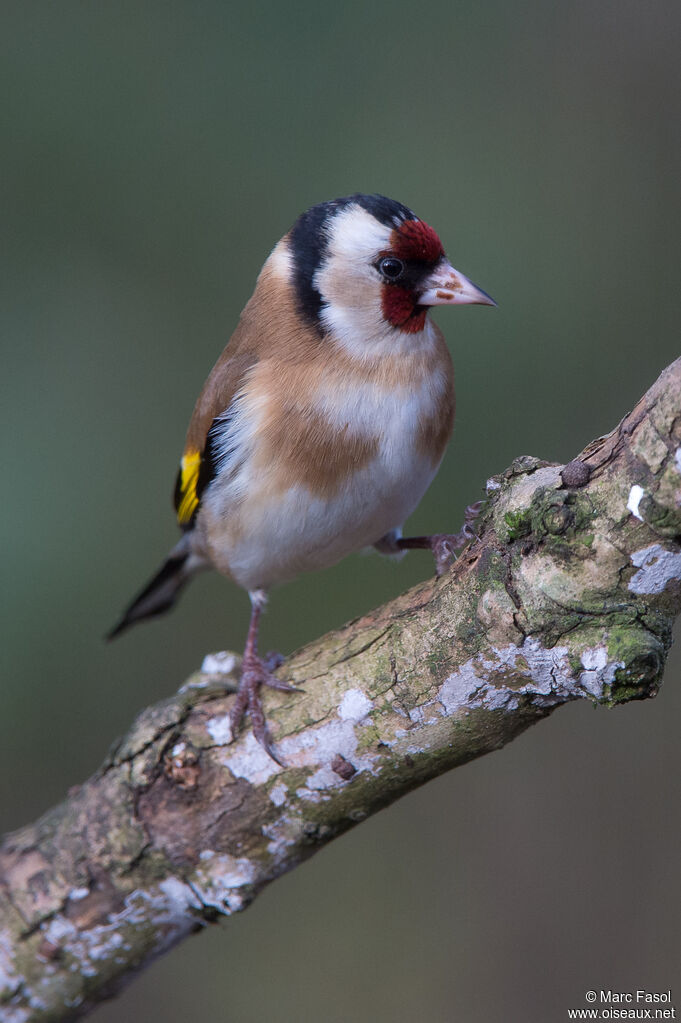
(256, 672)
(444, 545)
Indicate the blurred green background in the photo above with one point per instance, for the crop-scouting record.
(153, 153)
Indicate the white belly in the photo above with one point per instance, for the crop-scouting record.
(297, 531)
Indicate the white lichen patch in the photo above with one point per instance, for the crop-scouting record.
(310, 795)
(179, 895)
(103, 950)
(76, 894)
(354, 706)
(170, 908)
(249, 760)
(282, 835)
(313, 747)
(88, 947)
(529, 670)
(58, 929)
(657, 567)
(222, 663)
(220, 880)
(194, 682)
(595, 658)
(317, 747)
(481, 682)
(220, 730)
(598, 671)
(278, 794)
(635, 496)
(425, 712)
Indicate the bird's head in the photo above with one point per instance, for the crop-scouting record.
(366, 270)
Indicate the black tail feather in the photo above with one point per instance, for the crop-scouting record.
(159, 595)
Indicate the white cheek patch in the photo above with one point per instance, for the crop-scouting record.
(349, 283)
(357, 329)
(356, 238)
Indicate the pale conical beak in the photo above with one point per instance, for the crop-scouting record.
(446, 286)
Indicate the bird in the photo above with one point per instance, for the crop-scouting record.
(323, 421)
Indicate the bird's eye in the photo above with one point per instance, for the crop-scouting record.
(391, 268)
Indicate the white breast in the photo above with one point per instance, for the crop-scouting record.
(260, 537)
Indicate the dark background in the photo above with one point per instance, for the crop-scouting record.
(153, 154)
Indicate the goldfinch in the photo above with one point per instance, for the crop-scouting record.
(324, 420)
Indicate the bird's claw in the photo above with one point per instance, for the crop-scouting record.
(257, 672)
(272, 660)
(445, 545)
(259, 723)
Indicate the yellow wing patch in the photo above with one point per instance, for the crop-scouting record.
(189, 476)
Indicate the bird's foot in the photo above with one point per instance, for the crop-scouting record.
(444, 546)
(257, 672)
(273, 660)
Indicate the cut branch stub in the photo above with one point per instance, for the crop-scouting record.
(570, 592)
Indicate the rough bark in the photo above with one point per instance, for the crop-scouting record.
(569, 593)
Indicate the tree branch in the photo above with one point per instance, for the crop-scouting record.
(569, 593)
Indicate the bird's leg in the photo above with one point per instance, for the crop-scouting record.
(443, 545)
(256, 672)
